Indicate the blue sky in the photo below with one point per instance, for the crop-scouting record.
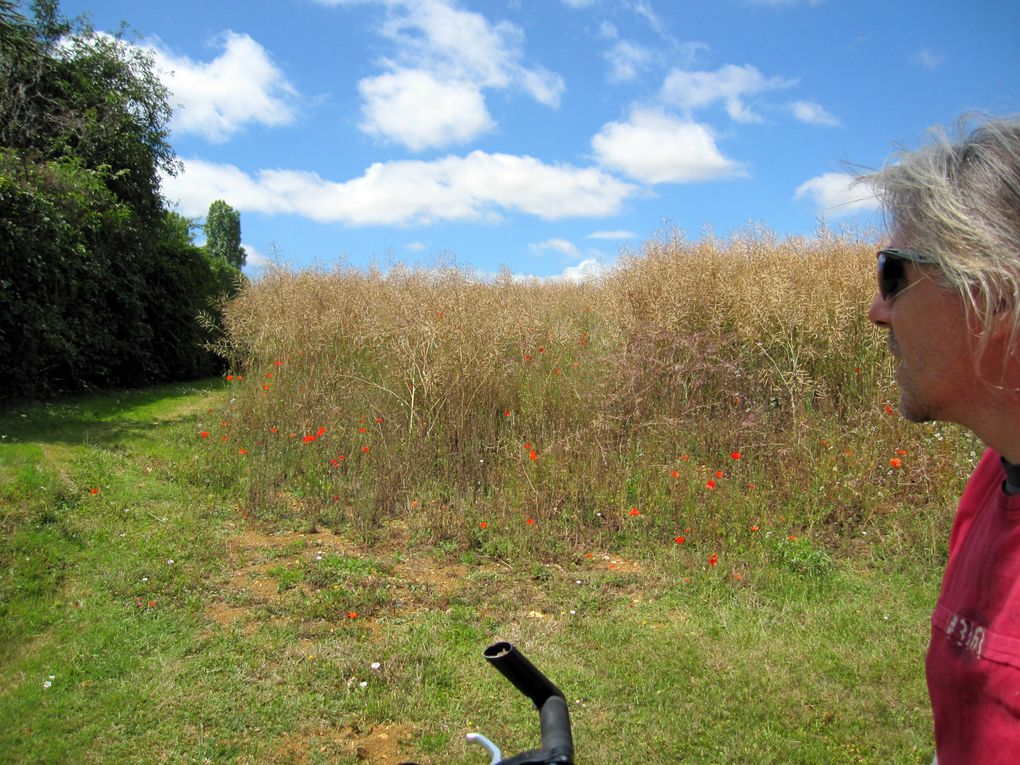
(548, 135)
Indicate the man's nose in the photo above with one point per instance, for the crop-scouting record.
(878, 314)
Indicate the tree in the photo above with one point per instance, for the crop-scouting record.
(223, 233)
(99, 284)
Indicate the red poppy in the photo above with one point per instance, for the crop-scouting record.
(680, 540)
(483, 525)
(379, 420)
(713, 559)
(242, 451)
(274, 429)
(362, 429)
(229, 378)
(719, 474)
(320, 432)
(366, 449)
(265, 387)
(278, 362)
(527, 445)
(533, 454)
(674, 474)
(531, 521)
(204, 434)
(683, 458)
(94, 490)
(756, 527)
(269, 375)
(352, 614)
(635, 511)
(710, 484)
(308, 439)
(896, 462)
(735, 455)
(506, 412)
(889, 410)
(527, 357)
(792, 537)
(902, 452)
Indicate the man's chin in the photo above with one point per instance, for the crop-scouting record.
(910, 411)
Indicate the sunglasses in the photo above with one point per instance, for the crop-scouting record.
(892, 270)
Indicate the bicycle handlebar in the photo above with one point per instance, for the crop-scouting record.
(554, 719)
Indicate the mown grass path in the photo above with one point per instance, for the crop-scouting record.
(143, 619)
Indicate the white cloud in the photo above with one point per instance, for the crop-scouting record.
(479, 186)
(444, 112)
(644, 9)
(579, 3)
(812, 113)
(560, 246)
(731, 85)
(587, 270)
(929, 59)
(462, 52)
(627, 60)
(216, 99)
(608, 30)
(612, 235)
(837, 194)
(416, 246)
(655, 147)
(255, 261)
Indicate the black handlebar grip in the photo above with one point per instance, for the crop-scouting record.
(525, 677)
(555, 724)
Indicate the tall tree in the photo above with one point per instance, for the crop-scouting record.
(99, 284)
(223, 233)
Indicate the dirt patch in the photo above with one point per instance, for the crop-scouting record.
(225, 615)
(252, 539)
(621, 565)
(254, 553)
(380, 745)
(439, 577)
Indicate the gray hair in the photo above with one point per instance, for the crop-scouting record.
(959, 202)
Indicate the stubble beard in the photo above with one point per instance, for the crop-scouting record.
(912, 410)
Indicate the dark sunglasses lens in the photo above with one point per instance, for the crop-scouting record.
(891, 275)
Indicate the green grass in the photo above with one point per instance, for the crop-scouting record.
(253, 643)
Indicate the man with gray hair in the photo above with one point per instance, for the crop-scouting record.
(949, 297)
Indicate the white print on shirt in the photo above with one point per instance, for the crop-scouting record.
(967, 634)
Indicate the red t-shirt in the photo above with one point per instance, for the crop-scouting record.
(973, 664)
